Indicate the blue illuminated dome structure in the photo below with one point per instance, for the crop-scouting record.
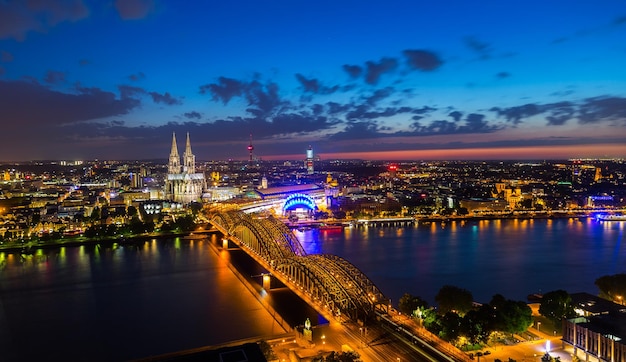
(299, 201)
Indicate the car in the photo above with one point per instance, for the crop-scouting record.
(486, 353)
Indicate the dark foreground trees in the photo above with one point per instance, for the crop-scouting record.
(451, 298)
(411, 305)
(556, 305)
(460, 323)
(339, 357)
(612, 287)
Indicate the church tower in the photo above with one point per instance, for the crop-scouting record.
(174, 164)
(189, 160)
(183, 184)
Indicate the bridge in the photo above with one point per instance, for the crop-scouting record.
(329, 283)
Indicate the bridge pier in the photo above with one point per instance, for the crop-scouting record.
(227, 243)
(267, 282)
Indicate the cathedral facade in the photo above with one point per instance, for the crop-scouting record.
(182, 183)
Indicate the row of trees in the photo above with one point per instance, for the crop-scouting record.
(135, 226)
(458, 321)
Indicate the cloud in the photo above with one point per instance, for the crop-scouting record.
(224, 90)
(127, 91)
(474, 123)
(134, 9)
(137, 76)
(354, 71)
(456, 115)
(358, 130)
(192, 115)
(423, 60)
(503, 75)
(165, 98)
(374, 70)
(515, 114)
(262, 99)
(17, 17)
(377, 96)
(481, 48)
(559, 113)
(54, 107)
(596, 109)
(314, 86)
(6, 57)
(54, 77)
(589, 110)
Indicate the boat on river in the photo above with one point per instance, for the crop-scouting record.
(611, 217)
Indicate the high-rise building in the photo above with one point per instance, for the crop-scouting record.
(183, 184)
(309, 160)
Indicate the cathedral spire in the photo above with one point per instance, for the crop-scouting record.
(174, 164)
(174, 151)
(188, 147)
(189, 160)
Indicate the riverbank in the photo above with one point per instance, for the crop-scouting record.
(28, 247)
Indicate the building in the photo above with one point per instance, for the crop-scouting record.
(599, 330)
(308, 163)
(183, 184)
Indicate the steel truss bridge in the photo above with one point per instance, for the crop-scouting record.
(329, 283)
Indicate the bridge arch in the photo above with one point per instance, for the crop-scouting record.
(331, 282)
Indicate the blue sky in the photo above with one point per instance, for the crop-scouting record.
(396, 80)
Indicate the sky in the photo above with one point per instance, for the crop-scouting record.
(358, 79)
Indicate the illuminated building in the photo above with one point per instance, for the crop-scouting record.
(599, 330)
(308, 163)
(183, 184)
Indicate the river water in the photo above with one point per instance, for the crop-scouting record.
(510, 257)
(103, 303)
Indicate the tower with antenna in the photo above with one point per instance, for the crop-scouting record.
(250, 149)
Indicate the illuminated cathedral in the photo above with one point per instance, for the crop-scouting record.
(183, 184)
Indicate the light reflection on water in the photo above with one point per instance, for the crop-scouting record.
(113, 302)
(511, 257)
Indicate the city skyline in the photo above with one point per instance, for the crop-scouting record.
(401, 80)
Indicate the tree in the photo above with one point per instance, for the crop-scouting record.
(612, 287)
(343, 357)
(478, 324)
(451, 298)
(131, 211)
(185, 223)
(450, 325)
(339, 214)
(195, 207)
(267, 350)
(95, 214)
(556, 305)
(510, 316)
(408, 304)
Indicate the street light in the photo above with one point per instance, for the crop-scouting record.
(619, 297)
(538, 326)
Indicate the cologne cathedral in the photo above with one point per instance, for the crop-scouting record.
(183, 184)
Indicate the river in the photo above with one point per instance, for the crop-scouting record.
(103, 303)
(510, 257)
